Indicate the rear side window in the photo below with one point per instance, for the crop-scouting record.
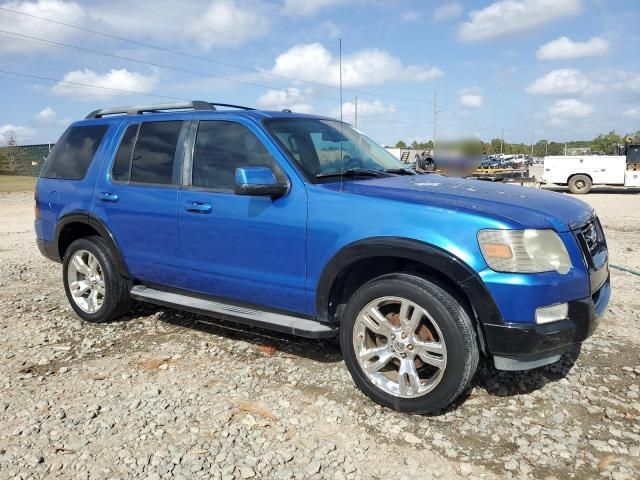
(155, 152)
(73, 153)
(122, 164)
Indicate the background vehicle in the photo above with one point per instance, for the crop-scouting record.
(302, 224)
(582, 172)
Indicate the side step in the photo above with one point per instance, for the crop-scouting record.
(300, 326)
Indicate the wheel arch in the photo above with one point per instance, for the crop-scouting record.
(380, 255)
(80, 224)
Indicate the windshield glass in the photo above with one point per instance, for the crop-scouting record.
(323, 147)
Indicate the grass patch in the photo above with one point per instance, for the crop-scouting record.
(11, 183)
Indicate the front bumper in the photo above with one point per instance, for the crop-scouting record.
(517, 346)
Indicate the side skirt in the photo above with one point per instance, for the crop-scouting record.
(303, 327)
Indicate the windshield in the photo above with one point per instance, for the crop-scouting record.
(325, 147)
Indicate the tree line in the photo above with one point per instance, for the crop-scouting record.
(606, 143)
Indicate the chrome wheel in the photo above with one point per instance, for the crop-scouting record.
(399, 347)
(86, 281)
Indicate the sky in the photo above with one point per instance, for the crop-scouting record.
(533, 69)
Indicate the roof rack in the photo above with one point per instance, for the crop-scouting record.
(161, 107)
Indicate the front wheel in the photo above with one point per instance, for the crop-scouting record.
(408, 343)
(94, 287)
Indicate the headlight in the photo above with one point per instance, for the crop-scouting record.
(524, 251)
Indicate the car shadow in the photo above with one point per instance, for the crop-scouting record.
(596, 189)
(269, 341)
(507, 383)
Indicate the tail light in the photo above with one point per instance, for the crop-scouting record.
(36, 207)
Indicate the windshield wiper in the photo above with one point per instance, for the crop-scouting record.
(399, 171)
(355, 172)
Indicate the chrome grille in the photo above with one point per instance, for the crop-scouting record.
(591, 239)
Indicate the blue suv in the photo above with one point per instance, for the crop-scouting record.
(302, 224)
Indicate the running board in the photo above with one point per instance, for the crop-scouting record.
(300, 326)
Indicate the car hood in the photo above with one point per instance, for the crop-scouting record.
(528, 207)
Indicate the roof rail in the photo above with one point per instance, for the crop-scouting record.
(159, 107)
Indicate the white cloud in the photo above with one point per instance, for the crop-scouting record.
(69, 12)
(410, 16)
(470, 98)
(331, 29)
(228, 22)
(48, 116)
(510, 17)
(306, 8)
(20, 133)
(447, 11)
(565, 48)
(633, 112)
(291, 98)
(570, 108)
(365, 109)
(313, 62)
(564, 82)
(115, 79)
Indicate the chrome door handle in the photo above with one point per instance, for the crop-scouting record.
(198, 207)
(109, 197)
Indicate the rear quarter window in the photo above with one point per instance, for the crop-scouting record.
(73, 153)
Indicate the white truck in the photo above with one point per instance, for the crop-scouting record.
(581, 172)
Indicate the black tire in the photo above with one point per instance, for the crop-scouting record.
(454, 323)
(117, 301)
(580, 184)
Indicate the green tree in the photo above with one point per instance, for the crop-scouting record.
(401, 144)
(607, 143)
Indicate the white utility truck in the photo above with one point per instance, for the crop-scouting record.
(581, 172)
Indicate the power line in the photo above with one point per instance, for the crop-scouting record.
(88, 85)
(154, 64)
(198, 57)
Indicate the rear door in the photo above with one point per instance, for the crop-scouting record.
(137, 193)
(245, 248)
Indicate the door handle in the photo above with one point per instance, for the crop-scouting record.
(109, 197)
(198, 207)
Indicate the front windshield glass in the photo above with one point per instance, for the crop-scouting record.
(324, 147)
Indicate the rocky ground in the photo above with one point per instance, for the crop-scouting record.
(165, 394)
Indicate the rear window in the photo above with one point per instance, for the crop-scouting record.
(155, 152)
(73, 153)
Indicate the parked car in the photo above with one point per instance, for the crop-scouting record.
(301, 224)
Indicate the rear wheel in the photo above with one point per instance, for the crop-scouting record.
(94, 287)
(579, 184)
(408, 343)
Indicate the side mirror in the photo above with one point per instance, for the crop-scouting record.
(258, 181)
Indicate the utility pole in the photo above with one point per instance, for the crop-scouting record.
(501, 141)
(355, 120)
(435, 130)
(546, 148)
(565, 149)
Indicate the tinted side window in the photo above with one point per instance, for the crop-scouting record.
(72, 154)
(220, 148)
(155, 152)
(122, 163)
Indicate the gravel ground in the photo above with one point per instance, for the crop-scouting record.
(173, 395)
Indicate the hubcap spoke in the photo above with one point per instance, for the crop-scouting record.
(79, 265)
(376, 322)
(383, 358)
(408, 379)
(426, 351)
(79, 287)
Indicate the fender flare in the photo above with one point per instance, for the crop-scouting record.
(436, 258)
(98, 225)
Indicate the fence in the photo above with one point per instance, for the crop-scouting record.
(24, 160)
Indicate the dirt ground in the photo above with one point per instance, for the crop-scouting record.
(172, 395)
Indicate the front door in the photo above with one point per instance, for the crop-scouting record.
(250, 249)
